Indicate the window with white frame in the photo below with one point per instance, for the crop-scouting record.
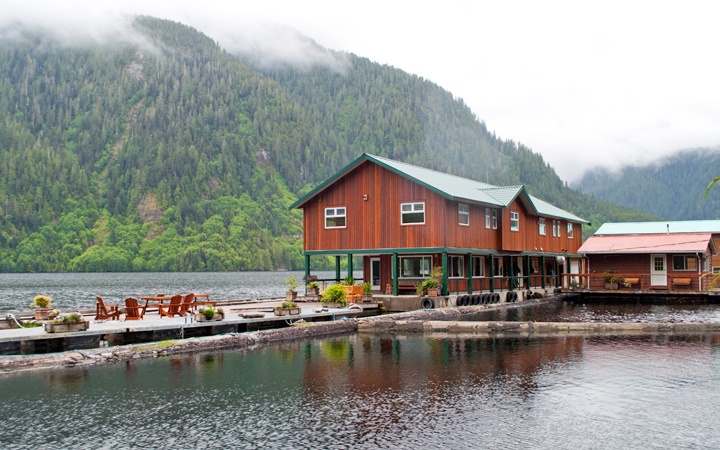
(415, 266)
(463, 214)
(456, 267)
(570, 230)
(555, 228)
(478, 266)
(487, 218)
(412, 213)
(541, 226)
(494, 219)
(335, 217)
(514, 221)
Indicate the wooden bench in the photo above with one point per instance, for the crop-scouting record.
(404, 286)
(681, 281)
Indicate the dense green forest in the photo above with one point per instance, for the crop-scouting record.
(167, 153)
(672, 188)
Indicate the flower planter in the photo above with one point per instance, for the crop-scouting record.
(286, 311)
(6, 324)
(291, 296)
(202, 318)
(611, 286)
(42, 313)
(433, 292)
(65, 327)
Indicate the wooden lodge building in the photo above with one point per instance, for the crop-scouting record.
(403, 220)
(653, 255)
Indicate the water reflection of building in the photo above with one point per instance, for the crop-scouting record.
(375, 364)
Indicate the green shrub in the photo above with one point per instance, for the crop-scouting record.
(335, 293)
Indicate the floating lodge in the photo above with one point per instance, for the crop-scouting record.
(403, 220)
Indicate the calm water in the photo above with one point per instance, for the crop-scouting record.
(72, 290)
(373, 392)
(623, 312)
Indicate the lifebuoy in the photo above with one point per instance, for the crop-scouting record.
(427, 303)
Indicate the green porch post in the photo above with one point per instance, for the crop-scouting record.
(445, 290)
(492, 273)
(337, 268)
(557, 274)
(470, 273)
(511, 272)
(542, 271)
(350, 267)
(395, 273)
(528, 269)
(307, 271)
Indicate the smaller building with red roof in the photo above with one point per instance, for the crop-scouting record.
(653, 255)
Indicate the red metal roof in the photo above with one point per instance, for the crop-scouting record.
(648, 243)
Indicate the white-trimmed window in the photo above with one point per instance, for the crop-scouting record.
(570, 230)
(494, 219)
(487, 218)
(478, 266)
(457, 266)
(463, 214)
(684, 262)
(415, 266)
(541, 226)
(412, 213)
(514, 221)
(556, 228)
(336, 217)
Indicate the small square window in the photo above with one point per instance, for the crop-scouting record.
(412, 213)
(335, 217)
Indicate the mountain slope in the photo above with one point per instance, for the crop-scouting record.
(672, 188)
(165, 152)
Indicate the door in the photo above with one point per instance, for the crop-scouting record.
(658, 270)
(375, 273)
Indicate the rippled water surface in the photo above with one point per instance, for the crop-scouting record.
(383, 392)
(621, 312)
(71, 290)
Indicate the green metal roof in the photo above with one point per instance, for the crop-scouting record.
(663, 227)
(451, 187)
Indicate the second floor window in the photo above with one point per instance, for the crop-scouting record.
(514, 221)
(335, 217)
(494, 219)
(463, 214)
(487, 218)
(541, 226)
(569, 230)
(412, 213)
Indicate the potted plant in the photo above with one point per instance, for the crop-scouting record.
(367, 292)
(67, 322)
(287, 308)
(313, 288)
(611, 281)
(292, 284)
(334, 296)
(431, 286)
(41, 303)
(208, 313)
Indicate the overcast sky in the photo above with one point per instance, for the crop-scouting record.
(584, 84)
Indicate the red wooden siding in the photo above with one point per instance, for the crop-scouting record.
(374, 223)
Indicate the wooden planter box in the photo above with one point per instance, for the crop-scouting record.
(611, 286)
(291, 296)
(66, 327)
(433, 292)
(332, 304)
(201, 317)
(286, 311)
(42, 313)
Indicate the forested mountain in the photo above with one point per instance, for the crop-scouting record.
(166, 152)
(672, 188)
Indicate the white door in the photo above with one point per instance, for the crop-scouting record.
(574, 268)
(658, 270)
(375, 273)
